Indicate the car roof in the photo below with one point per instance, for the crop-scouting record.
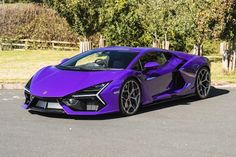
(132, 49)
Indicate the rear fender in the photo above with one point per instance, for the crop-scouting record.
(190, 68)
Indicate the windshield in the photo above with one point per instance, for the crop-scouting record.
(99, 60)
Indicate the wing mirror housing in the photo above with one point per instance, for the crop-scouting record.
(64, 60)
(151, 66)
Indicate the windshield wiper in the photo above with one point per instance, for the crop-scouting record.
(79, 68)
(72, 68)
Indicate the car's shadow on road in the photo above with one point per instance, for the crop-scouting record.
(156, 106)
(184, 101)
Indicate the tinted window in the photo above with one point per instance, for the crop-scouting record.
(137, 66)
(153, 57)
(99, 60)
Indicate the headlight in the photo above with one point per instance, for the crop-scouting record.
(92, 90)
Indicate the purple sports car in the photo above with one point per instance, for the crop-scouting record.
(117, 79)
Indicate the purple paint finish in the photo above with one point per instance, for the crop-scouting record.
(156, 83)
(53, 82)
(151, 65)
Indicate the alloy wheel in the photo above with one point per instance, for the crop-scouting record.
(130, 97)
(203, 83)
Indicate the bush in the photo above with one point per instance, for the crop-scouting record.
(33, 21)
(211, 47)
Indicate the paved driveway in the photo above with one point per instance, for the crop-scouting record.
(184, 128)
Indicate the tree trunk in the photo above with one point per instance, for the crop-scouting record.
(234, 43)
(199, 49)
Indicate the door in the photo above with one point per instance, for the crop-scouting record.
(156, 81)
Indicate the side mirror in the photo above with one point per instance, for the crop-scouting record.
(151, 65)
(64, 60)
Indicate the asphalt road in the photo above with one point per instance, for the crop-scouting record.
(183, 128)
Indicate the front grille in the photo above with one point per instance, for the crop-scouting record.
(43, 103)
(47, 99)
(82, 101)
(90, 103)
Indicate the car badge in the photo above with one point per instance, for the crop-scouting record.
(45, 92)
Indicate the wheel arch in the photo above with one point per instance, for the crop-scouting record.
(135, 78)
(203, 66)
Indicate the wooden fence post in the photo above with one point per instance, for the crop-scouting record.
(11, 45)
(53, 44)
(225, 60)
(223, 46)
(229, 61)
(101, 42)
(85, 46)
(166, 45)
(26, 44)
(36, 44)
(154, 44)
(1, 47)
(234, 61)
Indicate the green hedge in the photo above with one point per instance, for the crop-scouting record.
(33, 21)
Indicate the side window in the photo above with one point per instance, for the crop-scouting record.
(167, 55)
(161, 59)
(137, 66)
(153, 57)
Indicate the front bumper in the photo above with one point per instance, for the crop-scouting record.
(109, 104)
(67, 110)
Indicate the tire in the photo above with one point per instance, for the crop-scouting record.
(203, 83)
(130, 97)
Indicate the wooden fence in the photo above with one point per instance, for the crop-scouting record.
(228, 57)
(37, 44)
(229, 61)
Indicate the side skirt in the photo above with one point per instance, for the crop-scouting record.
(168, 100)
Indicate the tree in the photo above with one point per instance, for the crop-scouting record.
(160, 17)
(82, 15)
(229, 32)
(121, 23)
(138, 22)
(205, 19)
(185, 21)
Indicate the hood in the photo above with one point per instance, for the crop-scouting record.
(54, 82)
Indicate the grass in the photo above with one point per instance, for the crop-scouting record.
(19, 66)
(217, 74)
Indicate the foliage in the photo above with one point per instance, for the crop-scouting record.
(162, 17)
(139, 22)
(207, 19)
(121, 23)
(31, 21)
(230, 24)
(82, 15)
(186, 22)
(211, 47)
